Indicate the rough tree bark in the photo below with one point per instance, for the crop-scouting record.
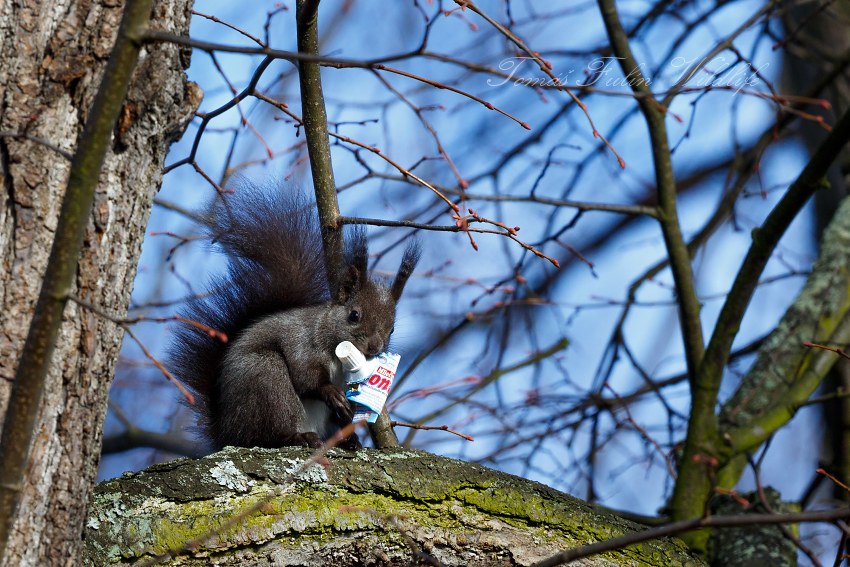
(820, 46)
(52, 56)
(245, 507)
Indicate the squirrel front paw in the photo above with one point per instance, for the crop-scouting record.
(337, 402)
(352, 443)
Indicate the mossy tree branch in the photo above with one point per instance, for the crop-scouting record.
(394, 507)
(785, 373)
(59, 277)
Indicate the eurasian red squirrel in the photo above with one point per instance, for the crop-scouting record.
(276, 381)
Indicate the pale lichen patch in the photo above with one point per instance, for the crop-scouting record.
(228, 476)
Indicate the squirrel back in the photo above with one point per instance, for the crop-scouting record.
(274, 305)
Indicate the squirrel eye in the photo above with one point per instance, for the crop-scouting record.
(392, 330)
(354, 316)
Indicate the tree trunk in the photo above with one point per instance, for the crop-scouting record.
(52, 56)
(373, 507)
(821, 36)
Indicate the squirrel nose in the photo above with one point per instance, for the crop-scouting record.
(374, 347)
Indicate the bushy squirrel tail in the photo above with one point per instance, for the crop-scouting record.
(272, 240)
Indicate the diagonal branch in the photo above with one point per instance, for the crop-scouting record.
(703, 446)
(765, 240)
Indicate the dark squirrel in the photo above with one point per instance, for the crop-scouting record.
(276, 381)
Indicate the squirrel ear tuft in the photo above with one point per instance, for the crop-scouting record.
(408, 264)
(356, 263)
(357, 253)
(349, 285)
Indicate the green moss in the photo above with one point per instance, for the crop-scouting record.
(384, 498)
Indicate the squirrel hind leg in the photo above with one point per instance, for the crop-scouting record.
(257, 404)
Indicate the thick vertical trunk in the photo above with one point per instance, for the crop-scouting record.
(52, 56)
(821, 41)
